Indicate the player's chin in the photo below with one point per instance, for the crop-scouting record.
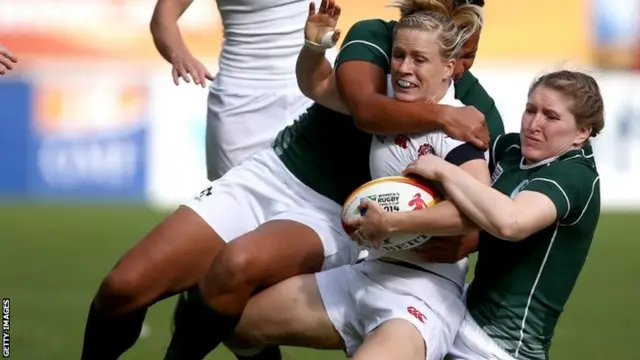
(534, 154)
(407, 96)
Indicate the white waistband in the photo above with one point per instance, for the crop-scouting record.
(223, 82)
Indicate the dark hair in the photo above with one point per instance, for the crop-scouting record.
(470, 2)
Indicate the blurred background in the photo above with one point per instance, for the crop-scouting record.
(97, 144)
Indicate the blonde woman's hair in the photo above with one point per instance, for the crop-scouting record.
(454, 24)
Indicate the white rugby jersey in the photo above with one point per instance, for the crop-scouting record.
(390, 155)
(262, 38)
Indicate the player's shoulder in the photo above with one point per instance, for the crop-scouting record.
(512, 138)
(506, 144)
(370, 41)
(578, 163)
(378, 29)
(575, 174)
(375, 24)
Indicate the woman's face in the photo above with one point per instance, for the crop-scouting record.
(417, 67)
(548, 127)
(467, 55)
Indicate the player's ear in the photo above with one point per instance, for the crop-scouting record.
(449, 69)
(581, 136)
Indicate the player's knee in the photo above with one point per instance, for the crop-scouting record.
(237, 268)
(120, 291)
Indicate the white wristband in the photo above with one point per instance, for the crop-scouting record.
(325, 43)
(327, 40)
(314, 46)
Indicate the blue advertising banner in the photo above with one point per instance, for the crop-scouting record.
(88, 141)
(15, 104)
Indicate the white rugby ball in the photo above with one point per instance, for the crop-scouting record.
(392, 193)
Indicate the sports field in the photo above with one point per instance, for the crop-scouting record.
(54, 257)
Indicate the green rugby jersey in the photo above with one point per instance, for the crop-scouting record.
(325, 150)
(520, 288)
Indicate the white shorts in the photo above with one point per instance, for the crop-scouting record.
(262, 189)
(243, 118)
(359, 298)
(472, 343)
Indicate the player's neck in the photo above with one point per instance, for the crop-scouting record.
(439, 92)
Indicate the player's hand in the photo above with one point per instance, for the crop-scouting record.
(7, 59)
(466, 124)
(188, 68)
(448, 249)
(372, 227)
(428, 166)
(321, 22)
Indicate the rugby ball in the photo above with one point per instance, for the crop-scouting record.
(392, 193)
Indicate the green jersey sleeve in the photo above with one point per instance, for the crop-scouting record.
(370, 41)
(471, 93)
(570, 184)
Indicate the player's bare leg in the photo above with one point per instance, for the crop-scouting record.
(292, 313)
(168, 260)
(395, 339)
(288, 313)
(275, 251)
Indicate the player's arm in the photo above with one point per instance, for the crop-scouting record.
(442, 219)
(317, 81)
(495, 212)
(363, 86)
(313, 70)
(445, 218)
(545, 200)
(168, 40)
(361, 81)
(164, 27)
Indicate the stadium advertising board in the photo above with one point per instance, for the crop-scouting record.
(87, 138)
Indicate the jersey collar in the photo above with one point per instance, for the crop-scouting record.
(585, 152)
